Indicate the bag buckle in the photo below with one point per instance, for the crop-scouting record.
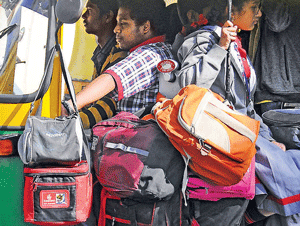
(205, 148)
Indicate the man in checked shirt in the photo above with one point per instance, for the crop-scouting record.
(133, 82)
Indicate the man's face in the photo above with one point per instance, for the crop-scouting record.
(92, 19)
(128, 34)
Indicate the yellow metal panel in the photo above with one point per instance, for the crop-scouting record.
(7, 78)
(81, 67)
(15, 115)
(52, 98)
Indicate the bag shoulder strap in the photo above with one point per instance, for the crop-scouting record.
(227, 77)
(215, 35)
(52, 53)
(65, 72)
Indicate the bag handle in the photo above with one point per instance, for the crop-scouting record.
(52, 52)
(65, 72)
(68, 80)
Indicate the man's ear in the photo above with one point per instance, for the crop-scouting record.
(110, 16)
(192, 15)
(146, 27)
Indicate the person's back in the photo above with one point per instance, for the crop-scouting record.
(277, 55)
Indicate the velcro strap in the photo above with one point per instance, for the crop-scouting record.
(127, 149)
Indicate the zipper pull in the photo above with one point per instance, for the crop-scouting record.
(113, 222)
(206, 191)
(204, 148)
(34, 187)
(35, 178)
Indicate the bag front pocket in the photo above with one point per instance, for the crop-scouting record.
(120, 167)
(54, 199)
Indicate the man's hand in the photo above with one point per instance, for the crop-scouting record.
(66, 108)
(64, 111)
(282, 146)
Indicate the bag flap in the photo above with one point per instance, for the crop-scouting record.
(124, 119)
(202, 125)
(204, 121)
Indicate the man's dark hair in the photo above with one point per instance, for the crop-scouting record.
(152, 10)
(106, 5)
(175, 24)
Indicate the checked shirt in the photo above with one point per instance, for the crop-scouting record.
(136, 76)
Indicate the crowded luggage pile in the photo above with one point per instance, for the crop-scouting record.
(198, 152)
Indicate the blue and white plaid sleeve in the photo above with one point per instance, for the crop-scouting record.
(136, 72)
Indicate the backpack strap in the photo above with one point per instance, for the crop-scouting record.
(216, 36)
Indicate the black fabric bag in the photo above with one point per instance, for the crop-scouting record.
(225, 212)
(285, 126)
(123, 212)
(134, 159)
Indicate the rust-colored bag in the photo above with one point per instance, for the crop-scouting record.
(218, 141)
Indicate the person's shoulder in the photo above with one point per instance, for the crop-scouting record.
(208, 31)
(156, 46)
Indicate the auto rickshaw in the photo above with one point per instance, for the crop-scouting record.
(27, 33)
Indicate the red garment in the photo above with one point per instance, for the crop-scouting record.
(161, 38)
(243, 54)
(201, 21)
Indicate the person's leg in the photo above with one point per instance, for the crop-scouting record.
(278, 172)
(252, 214)
(293, 220)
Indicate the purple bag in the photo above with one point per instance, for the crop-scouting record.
(199, 189)
(134, 159)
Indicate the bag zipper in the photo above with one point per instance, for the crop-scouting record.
(137, 123)
(36, 184)
(120, 220)
(34, 175)
(76, 168)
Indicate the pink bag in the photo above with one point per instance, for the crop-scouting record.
(199, 189)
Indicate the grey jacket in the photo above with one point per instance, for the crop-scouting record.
(203, 62)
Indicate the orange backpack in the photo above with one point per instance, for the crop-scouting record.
(218, 141)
